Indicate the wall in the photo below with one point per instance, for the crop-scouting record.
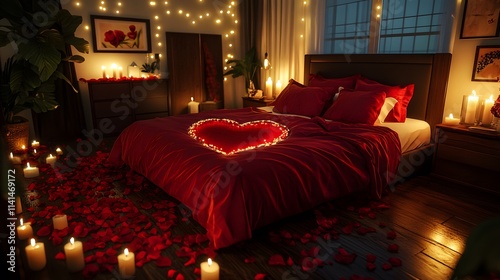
(192, 16)
(463, 52)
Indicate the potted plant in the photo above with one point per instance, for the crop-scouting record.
(28, 77)
(246, 67)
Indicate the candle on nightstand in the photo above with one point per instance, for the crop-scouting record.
(14, 159)
(24, 231)
(51, 160)
(269, 88)
(193, 106)
(470, 112)
(126, 264)
(60, 221)
(113, 67)
(209, 270)
(451, 120)
(74, 255)
(487, 117)
(30, 172)
(35, 253)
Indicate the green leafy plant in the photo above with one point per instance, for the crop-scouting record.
(29, 76)
(150, 67)
(246, 67)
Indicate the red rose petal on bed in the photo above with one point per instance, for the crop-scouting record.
(60, 256)
(146, 205)
(250, 259)
(395, 262)
(393, 248)
(44, 231)
(386, 266)
(371, 258)
(192, 260)
(276, 260)
(370, 266)
(260, 276)
(391, 235)
(163, 261)
(90, 270)
(171, 273)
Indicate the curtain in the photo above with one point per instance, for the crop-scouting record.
(290, 29)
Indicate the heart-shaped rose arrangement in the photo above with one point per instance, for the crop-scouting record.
(228, 137)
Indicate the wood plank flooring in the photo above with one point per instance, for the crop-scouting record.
(432, 219)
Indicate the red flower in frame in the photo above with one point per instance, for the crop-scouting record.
(133, 33)
(115, 38)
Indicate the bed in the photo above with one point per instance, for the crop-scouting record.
(232, 194)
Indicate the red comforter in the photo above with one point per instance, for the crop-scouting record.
(232, 195)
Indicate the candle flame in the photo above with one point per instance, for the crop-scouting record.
(28, 165)
(21, 221)
(33, 243)
(11, 155)
(58, 149)
(103, 67)
(192, 99)
(474, 92)
(451, 116)
(72, 241)
(50, 155)
(125, 252)
(34, 151)
(23, 147)
(209, 262)
(491, 98)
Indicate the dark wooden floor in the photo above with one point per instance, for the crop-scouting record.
(431, 218)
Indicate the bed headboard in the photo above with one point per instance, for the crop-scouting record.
(429, 73)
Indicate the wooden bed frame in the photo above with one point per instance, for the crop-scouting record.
(429, 73)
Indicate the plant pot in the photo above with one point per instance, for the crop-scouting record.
(17, 134)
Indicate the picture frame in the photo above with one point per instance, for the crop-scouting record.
(486, 64)
(120, 35)
(481, 19)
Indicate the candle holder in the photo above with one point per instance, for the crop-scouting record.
(470, 113)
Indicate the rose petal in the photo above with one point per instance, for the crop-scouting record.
(171, 273)
(163, 261)
(250, 259)
(386, 266)
(60, 256)
(393, 248)
(371, 258)
(370, 266)
(276, 260)
(391, 235)
(44, 231)
(395, 261)
(260, 276)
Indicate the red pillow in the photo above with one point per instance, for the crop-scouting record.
(333, 83)
(402, 94)
(301, 100)
(356, 107)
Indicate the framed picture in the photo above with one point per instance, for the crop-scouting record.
(116, 34)
(486, 64)
(480, 19)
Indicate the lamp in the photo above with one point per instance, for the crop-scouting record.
(267, 65)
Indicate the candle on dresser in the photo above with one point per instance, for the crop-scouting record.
(126, 264)
(50, 159)
(31, 172)
(35, 144)
(120, 72)
(74, 255)
(113, 67)
(193, 106)
(35, 254)
(60, 221)
(470, 113)
(24, 231)
(14, 159)
(487, 117)
(103, 68)
(451, 120)
(269, 88)
(209, 270)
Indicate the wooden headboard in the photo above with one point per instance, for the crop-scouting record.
(429, 73)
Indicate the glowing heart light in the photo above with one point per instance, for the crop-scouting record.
(229, 137)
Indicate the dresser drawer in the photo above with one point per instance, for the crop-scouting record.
(105, 91)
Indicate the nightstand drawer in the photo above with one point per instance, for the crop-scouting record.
(469, 157)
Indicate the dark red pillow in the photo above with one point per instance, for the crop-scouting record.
(333, 83)
(302, 100)
(356, 107)
(402, 94)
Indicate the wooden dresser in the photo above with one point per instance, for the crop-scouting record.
(117, 104)
(470, 157)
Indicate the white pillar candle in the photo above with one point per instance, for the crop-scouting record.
(35, 144)
(120, 72)
(487, 117)
(269, 88)
(50, 159)
(209, 270)
(14, 159)
(470, 113)
(193, 106)
(113, 67)
(279, 88)
(31, 172)
(126, 264)
(35, 253)
(103, 68)
(60, 221)
(451, 120)
(74, 255)
(59, 151)
(24, 231)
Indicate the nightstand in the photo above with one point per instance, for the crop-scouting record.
(253, 102)
(468, 156)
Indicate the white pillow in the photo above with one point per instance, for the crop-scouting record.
(389, 103)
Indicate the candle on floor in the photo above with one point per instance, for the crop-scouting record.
(269, 88)
(74, 255)
(35, 144)
(24, 231)
(487, 117)
(126, 264)
(35, 253)
(193, 106)
(14, 159)
(59, 151)
(31, 172)
(60, 221)
(209, 270)
(451, 120)
(50, 159)
(470, 113)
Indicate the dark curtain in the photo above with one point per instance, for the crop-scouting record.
(251, 28)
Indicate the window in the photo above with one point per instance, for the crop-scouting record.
(388, 26)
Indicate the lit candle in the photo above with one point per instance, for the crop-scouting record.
(60, 221)
(269, 88)
(113, 67)
(279, 87)
(103, 72)
(24, 231)
(30, 172)
(487, 118)
(451, 120)
(74, 255)
(193, 106)
(23, 147)
(470, 113)
(34, 151)
(126, 264)
(209, 270)
(59, 151)
(51, 160)
(35, 144)
(15, 159)
(120, 72)
(35, 253)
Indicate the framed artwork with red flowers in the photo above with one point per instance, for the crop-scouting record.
(117, 34)
(486, 64)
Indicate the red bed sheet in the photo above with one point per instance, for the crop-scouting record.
(230, 196)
